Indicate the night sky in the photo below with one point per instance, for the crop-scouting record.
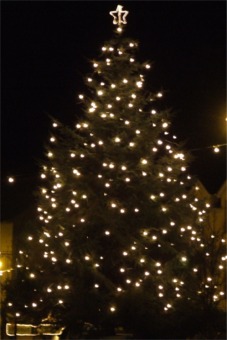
(46, 52)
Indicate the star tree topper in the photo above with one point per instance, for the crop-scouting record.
(119, 16)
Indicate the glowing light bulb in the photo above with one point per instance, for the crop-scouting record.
(10, 179)
(143, 161)
(216, 149)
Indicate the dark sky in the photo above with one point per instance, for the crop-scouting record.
(46, 50)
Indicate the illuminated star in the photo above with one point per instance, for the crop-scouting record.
(119, 16)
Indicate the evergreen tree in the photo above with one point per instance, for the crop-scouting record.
(120, 221)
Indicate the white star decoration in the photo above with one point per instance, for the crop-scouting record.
(119, 15)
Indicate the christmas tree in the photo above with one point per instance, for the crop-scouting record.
(120, 224)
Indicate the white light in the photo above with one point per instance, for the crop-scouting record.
(144, 161)
(81, 96)
(139, 84)
(100, 93)
(112, 309)
(148, 66)
(159, 94)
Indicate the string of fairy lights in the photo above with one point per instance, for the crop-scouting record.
(135, 251)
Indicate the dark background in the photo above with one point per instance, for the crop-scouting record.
(46, 48)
